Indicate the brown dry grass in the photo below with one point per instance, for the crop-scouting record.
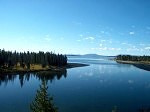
(32, 67)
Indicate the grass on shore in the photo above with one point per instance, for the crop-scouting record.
(32, 67)
(38, 67)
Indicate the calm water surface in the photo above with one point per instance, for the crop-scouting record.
(95, 88)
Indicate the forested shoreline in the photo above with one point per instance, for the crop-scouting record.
(9, 59)
(133, 58)
(142, 62)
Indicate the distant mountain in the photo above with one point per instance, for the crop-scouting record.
(90, 55)
(97, 55)
(73, 55)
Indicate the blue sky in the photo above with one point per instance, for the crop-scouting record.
(105, 27)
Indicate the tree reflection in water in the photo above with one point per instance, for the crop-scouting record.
(23, 77)
(144, 110)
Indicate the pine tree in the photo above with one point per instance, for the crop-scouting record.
(42, 102)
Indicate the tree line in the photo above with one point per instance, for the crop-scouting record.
(133, 58)
(9, 59)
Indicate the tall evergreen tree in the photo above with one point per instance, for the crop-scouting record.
(42, 102)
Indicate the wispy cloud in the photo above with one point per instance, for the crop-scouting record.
(123, 43)
(47, 38)
(89, 38)
(110, 48)
(114, 49)
(132, 33)
(106, 33)
(103, 48)
(81, 35)
(127, 44)
(93, 48)
(102, 40)
(79, 40)
(141, 44)
(100, 45)
(147, 48)
(102, 32)
(106, 41)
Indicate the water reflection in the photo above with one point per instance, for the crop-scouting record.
(6, 78)
(51, 75)
(23, 77)
(142, 66)
(144, 110)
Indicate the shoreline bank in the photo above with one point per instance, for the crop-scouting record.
(132, 62)
(50, 69)
(142, 65)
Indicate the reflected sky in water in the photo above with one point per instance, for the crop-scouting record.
(95, 88)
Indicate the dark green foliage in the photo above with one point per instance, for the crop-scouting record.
(133, 58)
(115, 109)
(10, 59)
(28, 65)
(42, 102)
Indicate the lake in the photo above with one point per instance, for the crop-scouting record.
(99, 87)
